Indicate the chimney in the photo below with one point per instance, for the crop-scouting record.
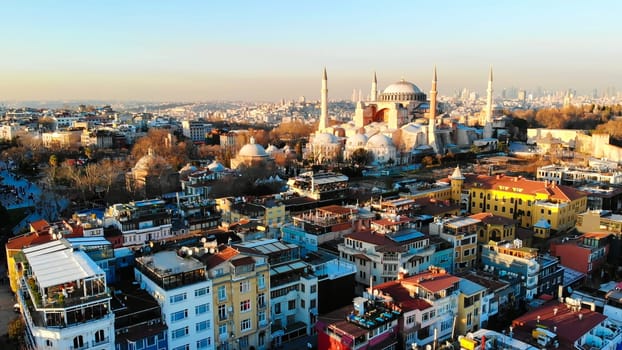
(555, 311)
(580, 316)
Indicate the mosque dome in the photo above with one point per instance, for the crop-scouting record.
(324, 139)
(151, 162)
(252, 150)
(357, 140)
(379, 141)
(402, 87)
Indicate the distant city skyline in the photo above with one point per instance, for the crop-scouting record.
(269, 50)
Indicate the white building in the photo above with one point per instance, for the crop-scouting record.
(64, 299)
(181, 287)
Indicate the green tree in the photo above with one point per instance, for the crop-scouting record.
(361, 156)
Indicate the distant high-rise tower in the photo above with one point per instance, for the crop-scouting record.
(354, 95)
(374, 88)
(432, 114)
(324, 103)
(360, 95)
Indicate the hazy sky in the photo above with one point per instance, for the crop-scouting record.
(266, 50)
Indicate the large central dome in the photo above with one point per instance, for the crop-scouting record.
(402, 87)
(402, 91)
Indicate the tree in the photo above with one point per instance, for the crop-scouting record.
(361, 156)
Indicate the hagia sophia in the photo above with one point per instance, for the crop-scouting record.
(396, 126)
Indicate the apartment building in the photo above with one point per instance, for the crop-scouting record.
(241, 298)
(63, 298)
(183, 290)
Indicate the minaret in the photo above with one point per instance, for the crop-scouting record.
(324, 104)
(488, 112)
(432, 115)
(374, 88)
(489, 98)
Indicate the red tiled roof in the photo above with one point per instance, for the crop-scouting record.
(220, 257)
(247, 260)
(559, 192)
(39, 225)
(389, 222)
(569, 327)
(337, 209)
(28, 239)
(401, 296)
(492, 219)
(433, 207)
(432, 281)
(372, 238)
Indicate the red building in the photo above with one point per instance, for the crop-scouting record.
(586, 254)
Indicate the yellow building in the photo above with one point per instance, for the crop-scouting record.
(526, 201)
(461, 232)
(265, 211)
(469, 306)
(494, 228)
(241, 299)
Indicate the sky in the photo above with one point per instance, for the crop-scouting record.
(152, 50)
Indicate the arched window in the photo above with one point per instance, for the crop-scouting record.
(78, 342)
(99, 336)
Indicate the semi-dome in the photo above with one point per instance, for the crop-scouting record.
(379, 140)
(253, 150)
(324, 139)
(402, 87)
(272, 149)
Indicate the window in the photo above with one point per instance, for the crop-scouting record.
(244, 342)
(201, 309)
(201, 292)
(202, 326)
(222, 329)
(204, 343)
(302, 303)
(180, 332)
(277, 308)
(182, 347)
(261, 300)
(245, 305)
(78, 342)
(291, 305)
(261, 316)
(222, 312)
(49, 343)
(313, 288)
(222, 293)
(245, 324)
(245, 286)
(177, 298)
(261, 282)
(313, 303)
(179, 315)
(99, 336)
(410, 319)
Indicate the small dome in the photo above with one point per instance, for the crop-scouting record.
(357, 140)
(216, 167)
(272, 149)
(379, 140)
(402, 87)
(150, 162)
(253, 150)
(324, 139)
